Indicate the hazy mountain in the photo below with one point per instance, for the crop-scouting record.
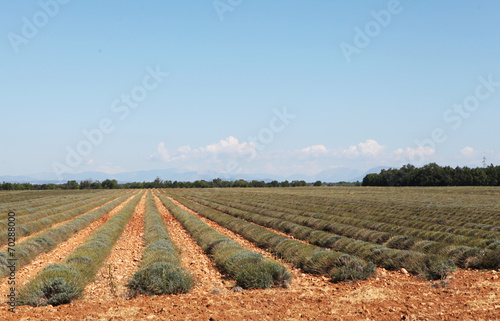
(338, 175)
(16, 179)
(374, 170)
(330, 175)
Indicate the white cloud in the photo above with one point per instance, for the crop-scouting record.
(162, 152)
(371, 148)
(418, 154)
(314, 149)
(469, 152)
(231, 153)
(368, 149)
(351, 152)
(229, 147)
(184, 149)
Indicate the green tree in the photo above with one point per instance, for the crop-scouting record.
(240, 183)
(285, 183)
(200, 184)
(273, 184)
(256, 183)
(96, 185)
(298, 183)
(72, 185)
(7, 186)
(157, 183)
(109, 184)
(86, 184)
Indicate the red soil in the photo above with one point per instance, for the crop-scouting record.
(467, 295)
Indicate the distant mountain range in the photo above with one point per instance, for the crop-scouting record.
(330, 176)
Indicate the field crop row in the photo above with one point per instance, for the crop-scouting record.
(30, 248)
(60, 283)
(46, 211)
(392, 236)
(249, 269)
(12, 198)
(432, 267)
(391, 202)
(340, 233)
(312, 259)
(32, 207)
(46, 219)
(161, 271)
(487, 226)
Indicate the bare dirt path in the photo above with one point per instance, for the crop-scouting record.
(20, 239)
(208, 277)
(123, 261)
(300, 280)
(267, 228)
(468, 295)
(24, 274)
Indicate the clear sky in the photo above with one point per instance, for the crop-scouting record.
(278, 87)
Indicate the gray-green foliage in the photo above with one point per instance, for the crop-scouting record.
(160, 278)
(403, 232)
(250, 270)
(30, 248)
(27, 225)
(161, 271)
(414, 262)
(56, 284)
(304, 256)
(61, 283)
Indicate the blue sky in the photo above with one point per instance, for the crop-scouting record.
(207, 80)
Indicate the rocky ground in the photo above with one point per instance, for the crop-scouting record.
(468, 295)
(390, 295)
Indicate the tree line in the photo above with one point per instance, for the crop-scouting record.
(434, 175)
(428, 175)
(157, 183)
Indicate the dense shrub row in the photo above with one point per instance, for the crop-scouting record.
(463, 256)
(65, 213)
(29, 249)
(24, 220)
(396, 226)
(312, 259)
(249, 269)
(61, 283)
(57, 207)
(454, 214)
(423, 230)
(29, 197)
(431, 266)
(25, 207)
(160, 270)
(471, 233)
